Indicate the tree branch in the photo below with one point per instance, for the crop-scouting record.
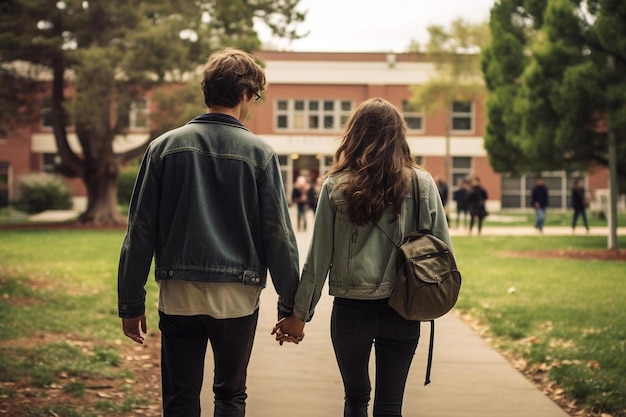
(71, 165)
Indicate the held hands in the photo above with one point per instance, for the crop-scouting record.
(289, 329)
(134, 327)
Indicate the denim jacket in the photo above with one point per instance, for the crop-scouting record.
(360, 261)
(208, 205)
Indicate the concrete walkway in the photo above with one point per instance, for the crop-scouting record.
(531, 231)
(469, 378)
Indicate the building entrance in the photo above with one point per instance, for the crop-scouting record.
(307, 166)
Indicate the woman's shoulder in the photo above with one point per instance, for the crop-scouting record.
(422, 174)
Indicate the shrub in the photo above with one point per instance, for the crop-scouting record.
(125, 183)
(41, 191)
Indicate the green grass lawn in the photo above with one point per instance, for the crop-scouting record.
(563, 318)
(554, 218)
(59, 324)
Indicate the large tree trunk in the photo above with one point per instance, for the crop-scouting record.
(95, 97)
(101, 182)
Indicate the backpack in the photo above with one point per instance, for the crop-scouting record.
(427, 279)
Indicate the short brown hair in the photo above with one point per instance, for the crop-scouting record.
(228, 75)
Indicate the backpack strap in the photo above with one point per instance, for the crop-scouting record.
(429, 363)
(415, 179)
(431, 341)
(416, 193)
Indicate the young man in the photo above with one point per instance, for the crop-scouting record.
(540, 200)
(209, 205)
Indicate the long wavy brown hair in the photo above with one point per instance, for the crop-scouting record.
(375, 153)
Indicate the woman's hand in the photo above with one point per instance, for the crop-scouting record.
(289, 329)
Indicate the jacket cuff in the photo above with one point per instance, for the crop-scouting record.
(302, 315)
(131, 310)
(284, 310)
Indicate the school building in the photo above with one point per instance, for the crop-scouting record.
(308, 99)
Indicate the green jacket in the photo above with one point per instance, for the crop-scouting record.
(360, 261)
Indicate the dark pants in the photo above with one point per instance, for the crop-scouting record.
(357, 325)
(478, 219)
(583, 214)
(461, 214)
(184, 341)
(301, 216)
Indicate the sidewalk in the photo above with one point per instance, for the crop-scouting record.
(531, 231)
(469, 378)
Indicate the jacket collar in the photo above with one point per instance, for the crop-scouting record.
(217, 118)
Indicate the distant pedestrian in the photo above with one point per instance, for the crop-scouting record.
(299, 197)
(579, 204)
(314, 193)
(476, 200)
(442, 186)
(540, 201)
(460, 196)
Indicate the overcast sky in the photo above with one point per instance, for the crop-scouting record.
(378, 26)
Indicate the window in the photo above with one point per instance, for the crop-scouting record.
(413, 115)
(461, 169)
(49, 162)
(282, 114)
(346, 109)
(556, 183)
(516, 191)
(300, 114)
(139, 114)
(137, 117)
(462, 116)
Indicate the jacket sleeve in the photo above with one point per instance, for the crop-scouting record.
(140, 241)
(279, 240)
(319, 258)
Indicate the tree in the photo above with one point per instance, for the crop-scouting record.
(552, 92)
(113, 50)
(454, 51)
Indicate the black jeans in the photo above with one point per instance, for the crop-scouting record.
(578, 213)
(183, 348)
(476, 218)
(357, 325)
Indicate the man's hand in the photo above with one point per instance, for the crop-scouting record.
(289, 329)
(134, 327)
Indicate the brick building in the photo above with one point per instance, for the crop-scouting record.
(309, 97)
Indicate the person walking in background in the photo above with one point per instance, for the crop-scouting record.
(476, 199)
(579, 204)
(209, 206)
(361, 201)
(442, 186)
(460, 196)
(314, 193)
(299, 197)
(540, 200)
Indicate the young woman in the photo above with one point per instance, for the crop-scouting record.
(368, 188)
